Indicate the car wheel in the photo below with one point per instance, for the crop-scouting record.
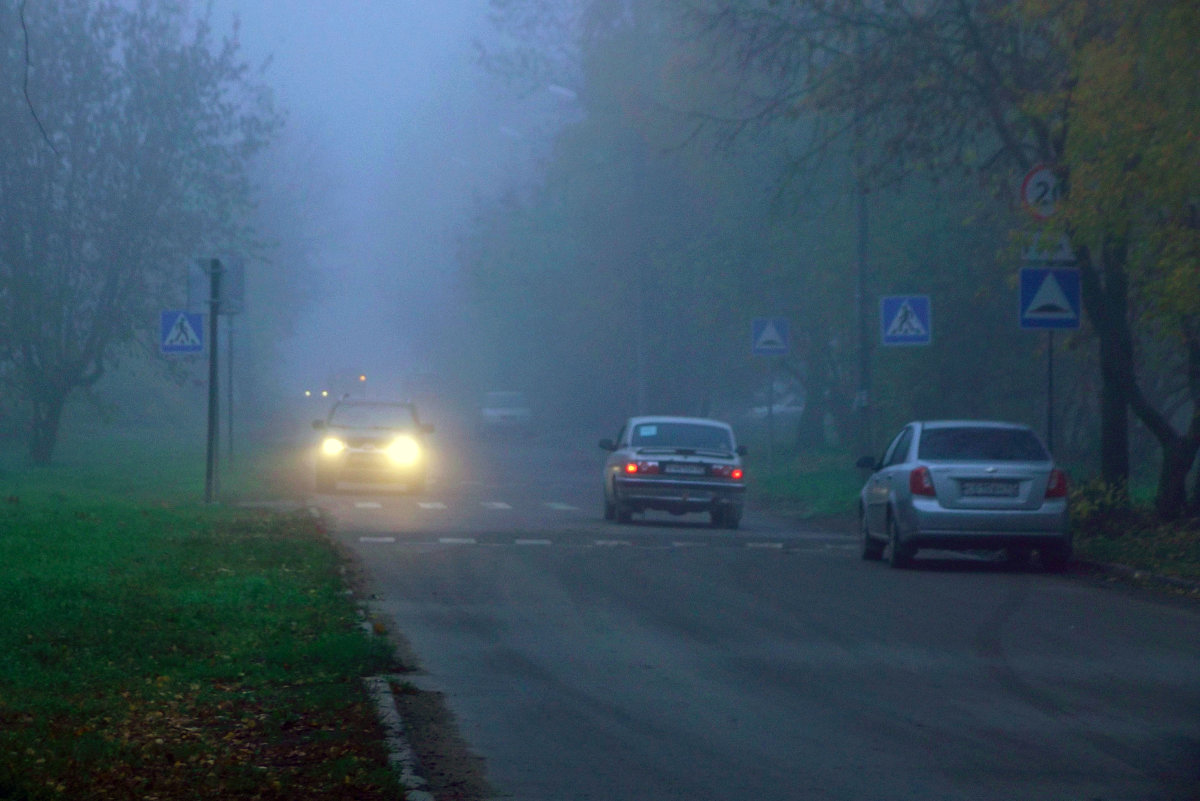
(716, 518)
(871, 549)
(899, 554)
(1055, 558)
(733, 519)
(624, 513)
(610, 509)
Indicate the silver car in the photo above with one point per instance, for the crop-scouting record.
(677, 465)
(372, 441)
(965, 485)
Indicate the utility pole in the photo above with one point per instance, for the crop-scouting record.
(214, 306)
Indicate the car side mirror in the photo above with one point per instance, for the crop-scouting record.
(607, 444)
(867, 463)
(742, 450)
(319, 425)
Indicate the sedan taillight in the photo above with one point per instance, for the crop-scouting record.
(920, 482)
(726, 471)
(1056, 487)
(641, 468)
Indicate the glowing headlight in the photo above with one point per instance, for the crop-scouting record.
(332, 446)
(404, 450)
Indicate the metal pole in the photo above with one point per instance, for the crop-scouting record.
(1050, 390)
(229, 391)
(214, 306)
(770, 417)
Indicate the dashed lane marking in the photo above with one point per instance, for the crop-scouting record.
(561, 507)
(458, 541)
(764, 544)
(377, 539)
(367, 505)
(495, 505)
(520, 541)
(431, 504)
(612, 543)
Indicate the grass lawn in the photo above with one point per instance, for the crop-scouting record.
(157, 648)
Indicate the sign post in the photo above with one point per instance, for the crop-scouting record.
(1050, 300)
(770, 337)
(214, 421)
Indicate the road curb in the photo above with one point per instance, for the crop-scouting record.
(1137, 574)
(401, 756)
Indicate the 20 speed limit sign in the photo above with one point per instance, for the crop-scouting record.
(1040, 190)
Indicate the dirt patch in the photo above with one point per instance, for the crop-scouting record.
(452, 771)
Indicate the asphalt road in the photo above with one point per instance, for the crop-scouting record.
(670, 660)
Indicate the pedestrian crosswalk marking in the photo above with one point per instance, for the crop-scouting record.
(495, 505)
(431, 504)
(561, 507)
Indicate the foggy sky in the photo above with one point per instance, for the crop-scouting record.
(389, 94)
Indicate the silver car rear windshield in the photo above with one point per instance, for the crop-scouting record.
(682, 435)
(382, 415)
(981, 444)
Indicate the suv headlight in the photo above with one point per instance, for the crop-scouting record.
(404, 451)
(332, 446)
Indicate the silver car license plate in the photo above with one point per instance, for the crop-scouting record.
(684, 469)
(989, 489)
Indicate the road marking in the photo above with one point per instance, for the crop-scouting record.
(457, 540)
(612, 543)
(561, 507)
(533, 542)
(495, 505)
(431, 504)
(764, 545)
(682, 544)
(377, 539)
(368, 505)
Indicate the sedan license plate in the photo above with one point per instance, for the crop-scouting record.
(989, 489)
(684, 469)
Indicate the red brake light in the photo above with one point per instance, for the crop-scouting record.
(726, 471)
(631, 467)
(1056, 487)
(737, 474)
(920, 482)
(641, 467)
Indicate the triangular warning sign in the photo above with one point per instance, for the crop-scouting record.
(906, 323)
(182, 335)
(1050, 302)
(769, 338)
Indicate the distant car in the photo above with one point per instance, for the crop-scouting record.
(965, 485)
(677, 465)
(372, 441)
(505, 413)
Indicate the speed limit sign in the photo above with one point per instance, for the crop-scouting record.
(1040, 190)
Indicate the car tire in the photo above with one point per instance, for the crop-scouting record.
(899, 554)
(1055, 558)
(733, 519)
(716, 518)
(610, 509)
(872, 550)
(624, 513)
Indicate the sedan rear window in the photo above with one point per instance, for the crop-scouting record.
(682, 435)
(981, 444)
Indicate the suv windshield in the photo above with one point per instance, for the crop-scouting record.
(981, 444)
(373, 415)
(681, 435)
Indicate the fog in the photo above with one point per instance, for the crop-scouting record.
(389, 98)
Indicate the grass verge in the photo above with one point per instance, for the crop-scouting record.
(159, 649)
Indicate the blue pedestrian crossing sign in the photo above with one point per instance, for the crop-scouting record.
(905, 320)
(181, 332)
(769, 337)
(1049, 297)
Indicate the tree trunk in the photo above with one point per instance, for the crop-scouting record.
(47, 416)
(1107, 304)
